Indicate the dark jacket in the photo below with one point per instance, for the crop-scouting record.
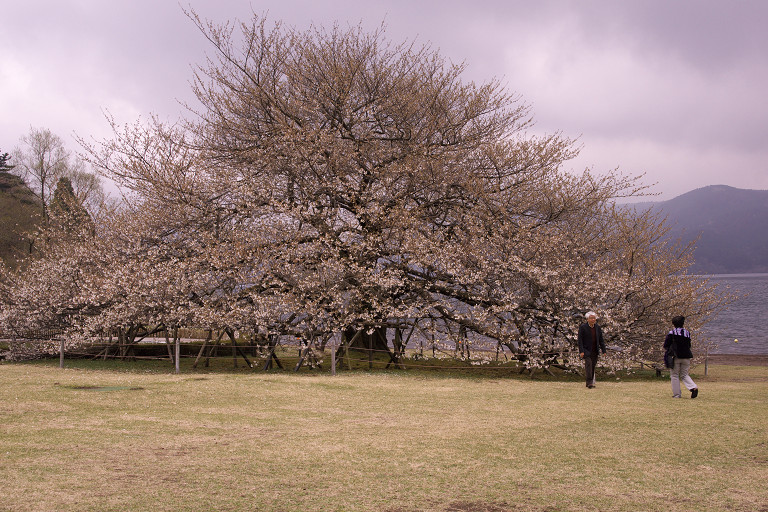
(585, 339)
(682, 342)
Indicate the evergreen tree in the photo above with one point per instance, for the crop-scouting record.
(4, 165)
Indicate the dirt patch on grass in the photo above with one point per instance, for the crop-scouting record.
(477, 506)
(468, 506)
(465, 506)
(89, 387)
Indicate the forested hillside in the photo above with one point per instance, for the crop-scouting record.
(19, 214)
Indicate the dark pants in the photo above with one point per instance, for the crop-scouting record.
(589, 368)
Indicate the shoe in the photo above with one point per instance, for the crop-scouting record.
(590, 386)
(694, 392)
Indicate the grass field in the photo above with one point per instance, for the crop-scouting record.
(133, 438)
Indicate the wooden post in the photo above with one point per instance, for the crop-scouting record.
(234, 348)
(61, 353)
(333, 358)
(106, 347)
(178, 349)
(120, 342)
(370, 352)
(706, 362)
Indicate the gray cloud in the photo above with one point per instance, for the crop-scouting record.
(672, 89)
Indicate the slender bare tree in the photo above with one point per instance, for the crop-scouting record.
(41, 160)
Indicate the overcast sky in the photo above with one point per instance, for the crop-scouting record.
(675, 89)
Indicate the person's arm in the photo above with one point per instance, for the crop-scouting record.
(581, 342)
(667, 341)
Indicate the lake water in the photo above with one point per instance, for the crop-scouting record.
(745, 319)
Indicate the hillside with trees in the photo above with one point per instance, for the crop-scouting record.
(41, 183)
(20, 214)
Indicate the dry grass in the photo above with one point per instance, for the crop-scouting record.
(102, 440)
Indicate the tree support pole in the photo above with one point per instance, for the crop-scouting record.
(399, 348)
(205, 343)
(305, 353)
(231, 335)
(272, 355)
(345, 345)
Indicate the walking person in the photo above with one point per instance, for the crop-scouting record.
(590, 343)
(680, 340)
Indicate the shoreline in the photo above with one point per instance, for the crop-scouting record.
(739, 359)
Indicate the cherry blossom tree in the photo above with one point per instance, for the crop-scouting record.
(335, 182)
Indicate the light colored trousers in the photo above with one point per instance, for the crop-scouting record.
(680, 374)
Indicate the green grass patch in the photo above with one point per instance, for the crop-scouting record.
(357, 362)
(396, 441)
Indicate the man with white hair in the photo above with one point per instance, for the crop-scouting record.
(590, 344)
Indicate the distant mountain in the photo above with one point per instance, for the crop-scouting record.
(732, 222)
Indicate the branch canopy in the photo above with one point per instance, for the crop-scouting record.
(333, 179)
